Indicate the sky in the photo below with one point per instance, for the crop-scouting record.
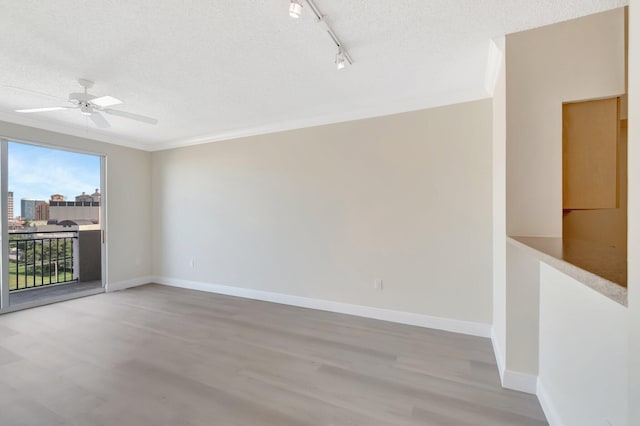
(37, 172)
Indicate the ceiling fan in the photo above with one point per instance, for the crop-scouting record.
(91, 106)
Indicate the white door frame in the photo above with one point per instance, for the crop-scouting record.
(4, 224)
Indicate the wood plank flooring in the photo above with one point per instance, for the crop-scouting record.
(157, 355)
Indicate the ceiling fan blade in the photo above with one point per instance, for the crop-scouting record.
(59, 98)
(30, 110)
(106, 101)
(99, 120)
(131, 116)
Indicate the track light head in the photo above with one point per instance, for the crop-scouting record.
(295, 11)
(295, 8)
(340, 59)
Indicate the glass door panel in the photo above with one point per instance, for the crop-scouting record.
(53, 223)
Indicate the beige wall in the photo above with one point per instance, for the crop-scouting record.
(323, 212)
(634, 211)
(522, 306)
(128, 196)
(575, 60)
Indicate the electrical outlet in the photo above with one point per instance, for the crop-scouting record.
(377, 284)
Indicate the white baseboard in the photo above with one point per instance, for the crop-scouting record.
(499, 354)
(510, 379)
(121, 285)
(520, 381)
(547, 406)
(409, 318)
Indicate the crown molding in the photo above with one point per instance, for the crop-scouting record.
(437, 100)
(494, 63)
(442, 99)
(70, 130)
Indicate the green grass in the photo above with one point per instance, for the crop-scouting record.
(26, 281)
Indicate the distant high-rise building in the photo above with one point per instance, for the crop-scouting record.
(95, 197)
(85, 208)
(83, 198)
(74, 210)
(10, 205)
(42, 211)
(28, 207)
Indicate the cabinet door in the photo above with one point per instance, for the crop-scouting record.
(589, 145)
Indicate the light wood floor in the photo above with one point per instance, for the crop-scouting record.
(156, 355)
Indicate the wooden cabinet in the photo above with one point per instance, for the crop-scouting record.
(590, 132)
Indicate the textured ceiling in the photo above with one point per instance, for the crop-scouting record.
(209, 70)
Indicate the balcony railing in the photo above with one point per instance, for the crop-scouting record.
(38, 259)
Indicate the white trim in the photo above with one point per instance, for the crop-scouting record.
(51, 145)
(518, 381)
(104, 220)
(547, 406)
(122, 285)
(409, 318)
(437, 100)
(4, 222)
(499, 354)
(385, 108)
(494, 63)
(510, 379)
(68, 129)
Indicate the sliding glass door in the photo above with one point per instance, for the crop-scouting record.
(52, 203)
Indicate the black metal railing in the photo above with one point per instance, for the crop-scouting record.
(38, 259)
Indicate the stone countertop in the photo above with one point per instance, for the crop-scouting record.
(602, 268)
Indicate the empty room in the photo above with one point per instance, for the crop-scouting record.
(320, 213)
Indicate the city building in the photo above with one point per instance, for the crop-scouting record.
(28, 207)
(74, 210)
(42, 211)
(84, 197)
(95, 197)
(10, 205)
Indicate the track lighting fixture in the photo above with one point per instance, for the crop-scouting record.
(340, 60)
(295, 8)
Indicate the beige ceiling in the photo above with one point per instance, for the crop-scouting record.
(210, 70)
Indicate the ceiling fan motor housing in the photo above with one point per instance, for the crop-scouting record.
(86, 108)
(80, 97)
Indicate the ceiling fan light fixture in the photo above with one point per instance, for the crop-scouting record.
(86, 110)
(295, 8)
